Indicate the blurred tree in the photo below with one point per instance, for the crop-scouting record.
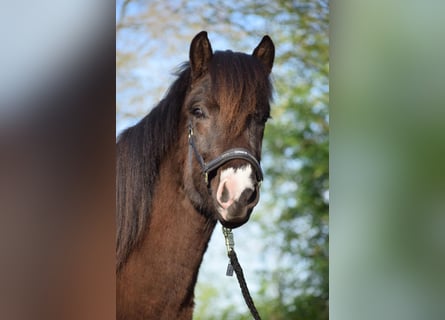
(296, 147)
(296, 158)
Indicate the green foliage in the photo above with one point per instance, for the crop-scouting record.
(296, 159)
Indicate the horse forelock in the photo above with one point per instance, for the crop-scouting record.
(240, 86)
(140, 150)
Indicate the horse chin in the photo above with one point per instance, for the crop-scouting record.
(234, 217)
(232, 224)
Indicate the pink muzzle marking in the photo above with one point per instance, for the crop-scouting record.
(232, 184)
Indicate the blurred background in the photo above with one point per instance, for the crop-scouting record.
(58, 123)
(387, 160)
(284, 248)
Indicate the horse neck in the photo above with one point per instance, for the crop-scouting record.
(159, 278)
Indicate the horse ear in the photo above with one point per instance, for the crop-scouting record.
(200, 54)
(265, 52)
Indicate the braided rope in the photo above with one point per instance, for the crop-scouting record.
(242, 282)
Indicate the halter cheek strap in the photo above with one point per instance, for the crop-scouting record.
(234, 153)
(193, 145)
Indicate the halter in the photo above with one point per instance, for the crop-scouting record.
(234, 153)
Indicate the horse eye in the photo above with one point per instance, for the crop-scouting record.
(261, 119)
(197, 112)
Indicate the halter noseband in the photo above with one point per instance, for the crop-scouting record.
(234, 153)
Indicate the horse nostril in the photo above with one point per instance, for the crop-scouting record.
(247, 196)
(225, 195)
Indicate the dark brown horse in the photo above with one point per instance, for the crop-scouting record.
(193, 160)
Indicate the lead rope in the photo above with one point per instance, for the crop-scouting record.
(234, 265)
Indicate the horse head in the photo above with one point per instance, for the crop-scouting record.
(224, 113)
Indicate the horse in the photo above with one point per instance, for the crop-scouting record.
(192, 161)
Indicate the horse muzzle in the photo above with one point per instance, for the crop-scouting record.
(237, 191)
(236, 195)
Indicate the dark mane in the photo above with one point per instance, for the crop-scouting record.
(238, 80)
(140, 150)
